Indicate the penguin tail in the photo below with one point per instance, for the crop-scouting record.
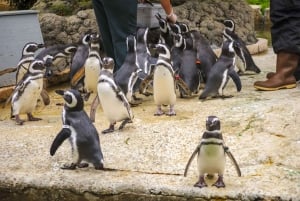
(236, 79)
(60, 138)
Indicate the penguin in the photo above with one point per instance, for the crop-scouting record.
(27, 57)
(27, 91)
(218, 75)
(114, 103)
(189, 70)
(53, 55)
(163, 81)
(206, 57)
(50, 55)
(242, 52)
(211, 154)
(144, 59)
(166, 35)
(78, 61)
(82, 134)
(92, 66)
(128, 74)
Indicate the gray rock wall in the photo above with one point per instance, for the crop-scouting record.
(204, 15)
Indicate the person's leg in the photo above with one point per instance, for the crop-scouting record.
(122, 19)
(285, 29)
(103, 24)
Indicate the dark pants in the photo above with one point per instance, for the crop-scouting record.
(285, 30)
(116, 20)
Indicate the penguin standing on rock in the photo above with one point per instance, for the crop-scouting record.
(27, 91)
(114, 103)
(78, 128)
(218, 75)
(163, 81)
(211, 154)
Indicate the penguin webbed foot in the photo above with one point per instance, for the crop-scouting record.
(200, 183)
(171, 111)
(225, 96)
(83, 165)
(110, 129)
(32, 118)
(99, 166)
(71, 166)
(158, 112)
(18, 120)
(219, 183)
(124, 123)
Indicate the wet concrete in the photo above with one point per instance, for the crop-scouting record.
(149, 156)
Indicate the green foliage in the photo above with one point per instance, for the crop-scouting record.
(21, 4)
(263, 3)
(61, 9)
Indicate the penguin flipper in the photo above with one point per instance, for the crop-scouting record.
(229, 154)
(236, 78)
(59, 139)
(182, 85)
(191, 159)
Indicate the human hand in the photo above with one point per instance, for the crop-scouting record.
(172, 18)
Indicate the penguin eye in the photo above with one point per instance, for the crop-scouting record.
(68, 98)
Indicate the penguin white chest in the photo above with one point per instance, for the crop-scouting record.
(113, 108)
(92, 70)
(25, 102)
(163, 86)
(211, 159)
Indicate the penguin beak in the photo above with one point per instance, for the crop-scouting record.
(41, 45)
(60, 92)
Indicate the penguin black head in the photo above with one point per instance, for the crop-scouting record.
(229, 24)
(36, 66)
(175, 28)
(213, 123)
(163, 50)
(178, 40)
(73, 99)
(108, 64)
(163, 24)
(31, 47)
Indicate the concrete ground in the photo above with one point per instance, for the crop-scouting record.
(148, 157)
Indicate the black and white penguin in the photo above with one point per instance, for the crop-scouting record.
(166, 34)
(53, 55)
(127, 75)
(27, 91)
(92, 66)
(221, 71)
(242, 52)
(206, 57)
(211, 154)
(82, 134)
(144, 59)
(78, 61)
(114, 103)
(189, 70)
(27, 57)
(163, 81)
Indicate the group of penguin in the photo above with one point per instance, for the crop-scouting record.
(182, 59)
